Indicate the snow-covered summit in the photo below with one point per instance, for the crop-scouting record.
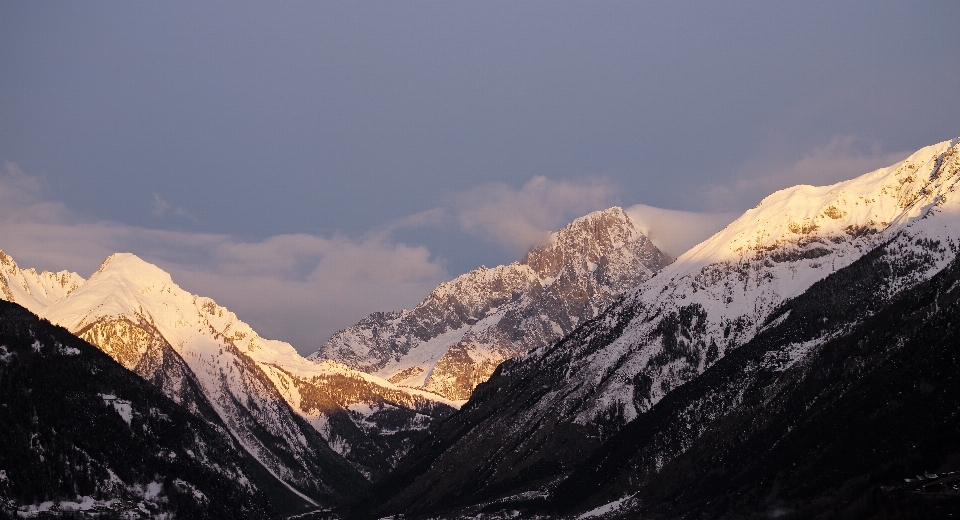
(799, 235)
(800, 214)
(135, 312)
(127, 286)
(122, 286)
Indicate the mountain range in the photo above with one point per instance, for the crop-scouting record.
(322, 430)
(544, 417)
(799, 362)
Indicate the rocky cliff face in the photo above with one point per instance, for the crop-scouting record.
(542, 416)
(456, 337)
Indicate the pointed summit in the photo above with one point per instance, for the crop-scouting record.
(455, 338)
(583, 242)
(124, 285)
(133, 268)
(305, 422)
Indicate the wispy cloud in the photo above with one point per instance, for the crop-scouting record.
(674, 232)
(160, 207)
(296, 287)
(515, 219)
(16, 186)
(844, 157)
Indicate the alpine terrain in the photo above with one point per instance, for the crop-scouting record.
(320, 430)
(83, 436)
(816, 330)
(458, 335)
(801, 363)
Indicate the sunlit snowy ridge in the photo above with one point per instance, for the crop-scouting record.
(718, 294)
(133, 311)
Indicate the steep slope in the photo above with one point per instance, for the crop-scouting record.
(839, 407)
(542, 416)
(81, 434)
(33, 290)
(134, 311)
(284, 410)
(457, 336)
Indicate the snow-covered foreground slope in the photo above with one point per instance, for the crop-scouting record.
(554, 406)
(456, 337)
(286, 411)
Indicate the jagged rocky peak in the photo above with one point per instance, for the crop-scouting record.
(456, 337)
(34, 290)
(582, 243)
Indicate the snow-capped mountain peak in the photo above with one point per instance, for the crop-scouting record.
(284, 410)
(456, 337)
(821, 228)
(800, 214)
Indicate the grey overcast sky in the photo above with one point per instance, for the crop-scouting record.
(305, 163)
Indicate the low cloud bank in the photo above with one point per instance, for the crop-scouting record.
(299, 288)
(302, 288)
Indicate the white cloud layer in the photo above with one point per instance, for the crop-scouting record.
(302, 288)
(520, 219)
(299, 288)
